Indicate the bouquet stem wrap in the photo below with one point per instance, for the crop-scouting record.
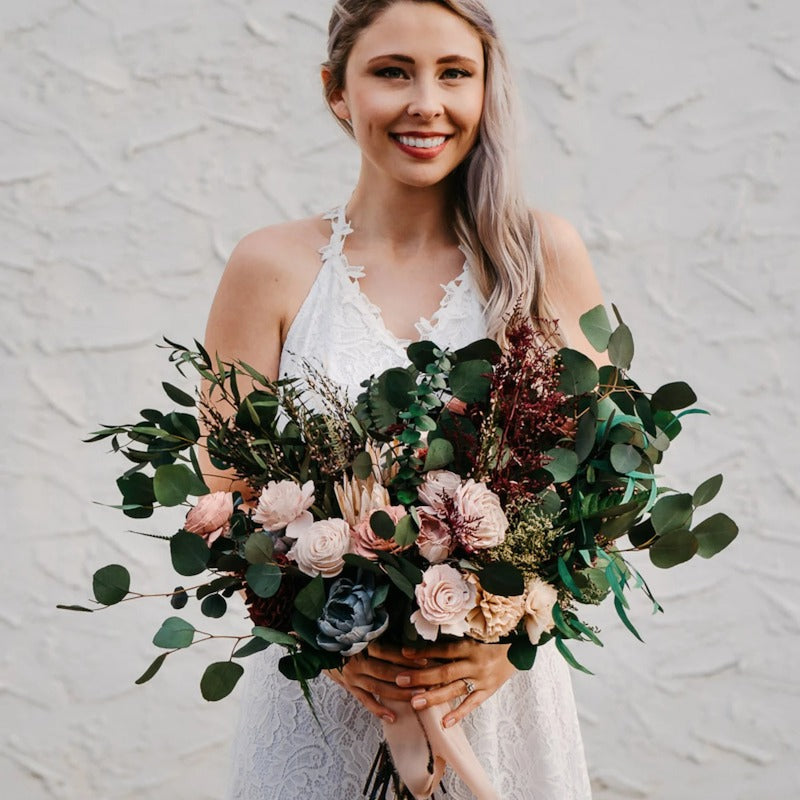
(421, 749)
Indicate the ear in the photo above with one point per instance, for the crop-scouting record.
(337, 101)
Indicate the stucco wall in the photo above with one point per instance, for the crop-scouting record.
(139, 140)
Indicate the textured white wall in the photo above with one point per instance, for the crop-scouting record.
(139, 140)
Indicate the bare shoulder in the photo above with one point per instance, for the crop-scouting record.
(266, 278)
(570, 278)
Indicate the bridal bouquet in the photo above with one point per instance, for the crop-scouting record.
(475, 492)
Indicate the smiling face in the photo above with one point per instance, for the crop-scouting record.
(414, 91)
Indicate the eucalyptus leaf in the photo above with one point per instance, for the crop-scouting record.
(255, 645)
(178, 395)
(625, 458)
(585, 436)
(715, 534)
(470, 380)
(620, 347)
(263, 579)
(596, 327)
(405, 534)
(214, 606)
(174, 634)
(310, 599)
(220, 679)
(400, 580)
(421, 354)
(258, 548)
(398, 386)
(111, 584)
(563, 464)
(673, 548)
(673, 396)
(483, 349)
(671, 512)
(440, 454)
(502, 578)
(579, 374)
(189, 552)
(274, 637)
(568, 657)
(707, 491)
(382, 524)
(362, 465)
(522, 653)
(151, 670)
(173, 483)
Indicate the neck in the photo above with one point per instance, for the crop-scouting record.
(402, 218)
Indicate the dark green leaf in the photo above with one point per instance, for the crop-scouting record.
(645, 414)
(579, 374)
(585, 436)
(137, 489)
(707, 491)
(440, 454)
(642, 534)
(620, 347)
(673, 396)
(362, 465)
(183, 426)
(179, 599)
(625, 458)
(502, 578)
(255, 645)
(311, 599)
(220, 679)
(174, 482)
(562, 624)
(596, 327)
(671, 512)
(174, 634)
(258, 411)
(263, 579)
(400, 580)
(405, 534)
(74, 608)
(214, 606)
(274, 637)
(398, 386)
(470, 380)
(674, 547)
(301, 666)
(382, 524)
(522, 653)
(354, 560)
(380, 595)
(570, 659)
(625, 621)
(564, 464)
(189, 552)
(566, 576)
(715, 534)
(420, 354)
(483, 349)
(178, 395)
(620, 525)
(151, 670)
(110, 584)
(258, 548)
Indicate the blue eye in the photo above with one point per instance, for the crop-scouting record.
(390, 72)
(454, 73)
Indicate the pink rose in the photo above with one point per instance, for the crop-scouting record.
(210, 518)
(320, 548)
(480, 508)
(367, 543)
(439, 483)
(540, 597)
(444, 599)
(435, 540)
(283, 502)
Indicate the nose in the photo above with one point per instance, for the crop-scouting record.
(425, 102)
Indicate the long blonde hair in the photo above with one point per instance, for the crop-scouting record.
(493, 222)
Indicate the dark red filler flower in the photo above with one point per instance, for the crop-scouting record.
(276, 611)
(527, 408)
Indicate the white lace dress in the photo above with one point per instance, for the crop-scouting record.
(526, 735)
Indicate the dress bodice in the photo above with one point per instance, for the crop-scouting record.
(343, 333)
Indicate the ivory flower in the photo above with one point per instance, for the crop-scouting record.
(359, 498)
(210, 518)
(320, 548)
(439, 484)
(540, 597)
(444, 599)
(480, 506)
(367, 543)
(435, 539)
(494, 615)
(283, 502)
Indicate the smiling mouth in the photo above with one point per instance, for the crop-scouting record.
(420, 142)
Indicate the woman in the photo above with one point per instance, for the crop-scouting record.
(449, 247)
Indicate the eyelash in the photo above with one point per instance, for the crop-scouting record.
(382, 73)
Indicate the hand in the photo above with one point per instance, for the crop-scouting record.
(485, 666)
(372, 675)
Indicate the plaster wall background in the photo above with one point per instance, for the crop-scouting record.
(140, 140)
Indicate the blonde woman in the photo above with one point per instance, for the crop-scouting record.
(435, 242)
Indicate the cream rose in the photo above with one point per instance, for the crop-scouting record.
(320, 548)
(283, 502)
(540, 597)
(439, 483)
(444, 599)
(210, 518)
(494, 615)
(367, 543)
(435, 539)
(480, 507)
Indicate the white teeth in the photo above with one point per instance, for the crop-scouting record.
(410, 141)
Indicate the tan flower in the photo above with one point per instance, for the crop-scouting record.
(435, 539)
(282, 502)
(320, 548)
(359, 498)
(439, 484)
(494, 615)
(444, 599)
(210, 518)
(480, 506)
(367, 543)
(540, 597)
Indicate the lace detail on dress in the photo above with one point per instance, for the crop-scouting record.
(526, 735)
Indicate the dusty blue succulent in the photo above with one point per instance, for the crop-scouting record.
(349, 622)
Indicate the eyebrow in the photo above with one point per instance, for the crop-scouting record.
(408, 60)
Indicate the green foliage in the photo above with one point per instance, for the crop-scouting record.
(263, 579)
(311, 599)
(111, 584)
(579, 374)
(258, 548)
(673, 396)
(189, 552)
(673, 548)
(382, 524)
(440, 455)
(274, 637)
(173, 483)
(714, 534)
(151, 670)
(620, 347)
(707, 491)
(174, 634)
(563, 464)
(502, 578)
(469, 380)
(522, 653)
(596, 328)
(220, 679)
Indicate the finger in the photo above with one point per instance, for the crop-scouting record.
(441, 694)
(434, 676)
(469, 705)
(371, 704)
(394, 655)
(381, 688)
(377, 668)
(445, 650)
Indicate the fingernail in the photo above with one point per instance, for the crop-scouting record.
(387, 718)
(421, 662)
(419, 702)
(403, 680)
(449, 722)
(417, 691)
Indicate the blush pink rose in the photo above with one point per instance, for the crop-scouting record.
(435, 540)
(320, 548)
(367, 543)
(282, 503)
(480, 507)
(540, 597)
(439, 483)
(444, 598)
(210, 518)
